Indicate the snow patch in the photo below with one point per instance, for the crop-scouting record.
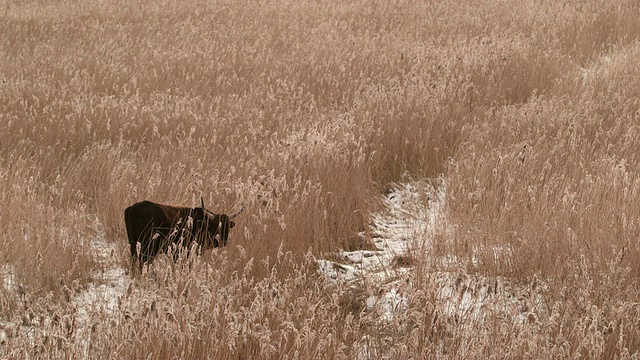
(403, 230)
(410, 214)
(99, 302)
(8, 278)
(389, 304)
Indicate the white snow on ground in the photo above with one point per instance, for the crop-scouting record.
(100, 301)
(412, 213)
(471, 298)
(97, 302)
(9, 284)
(8, 279)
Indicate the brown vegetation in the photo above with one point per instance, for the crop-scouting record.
(306, 111)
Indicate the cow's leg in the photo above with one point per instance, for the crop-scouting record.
(134, 250)
(136, 261)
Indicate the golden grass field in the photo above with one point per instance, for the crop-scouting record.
(307, 112)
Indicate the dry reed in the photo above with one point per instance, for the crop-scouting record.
(305, 111)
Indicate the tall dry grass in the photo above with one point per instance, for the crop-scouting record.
(305, 112)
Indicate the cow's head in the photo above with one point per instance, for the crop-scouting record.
(216, 226)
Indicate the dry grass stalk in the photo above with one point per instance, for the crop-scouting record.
(305, 111)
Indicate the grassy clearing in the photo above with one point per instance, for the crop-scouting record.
(306, 112)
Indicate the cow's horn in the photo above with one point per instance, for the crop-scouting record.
(202, 202)
(231, 216)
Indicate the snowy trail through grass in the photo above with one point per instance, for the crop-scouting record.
(403, 232)
(400, 231)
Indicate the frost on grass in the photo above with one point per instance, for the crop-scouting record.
(92, 306)
(400, 230)
(403, 230)
(8, 285)
(98, 302)
(8, 278)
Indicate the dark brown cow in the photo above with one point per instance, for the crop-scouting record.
(156, 227)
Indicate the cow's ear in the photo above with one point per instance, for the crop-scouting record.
(231, 224)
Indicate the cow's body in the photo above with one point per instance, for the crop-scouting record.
(157, 226)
